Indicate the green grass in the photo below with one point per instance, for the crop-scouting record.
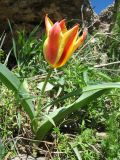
(91, 133)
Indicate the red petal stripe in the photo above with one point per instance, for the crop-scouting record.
(53, 43)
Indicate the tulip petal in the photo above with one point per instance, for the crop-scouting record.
(66, 38)
(51, 45)
(48, 24)
(70, 39)
(81, 39)
(63, 26)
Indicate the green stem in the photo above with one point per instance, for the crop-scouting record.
(43, 91)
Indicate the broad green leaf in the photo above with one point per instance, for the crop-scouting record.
(12, 82)
(89, 94)
(102, 86)
(76, 93)
(50, 119)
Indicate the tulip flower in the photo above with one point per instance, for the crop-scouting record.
(61, 43)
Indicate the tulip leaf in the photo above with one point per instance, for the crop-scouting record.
(89, 94)
(10, 80)
(102, 86)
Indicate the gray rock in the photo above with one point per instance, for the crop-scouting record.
(26, 14)
(33, 11)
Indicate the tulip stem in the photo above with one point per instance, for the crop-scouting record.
(43, 91)
(45, 82)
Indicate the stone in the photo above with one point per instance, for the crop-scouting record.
(33, 11)
(26, 14)
(107, 14)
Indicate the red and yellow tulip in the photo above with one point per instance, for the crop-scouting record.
(60, 42)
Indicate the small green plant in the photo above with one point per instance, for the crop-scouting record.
(83, 146)
(2, 152)
(2, 54)
(111, 143)
(28, 53)
(114, 42)
(63, 146)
